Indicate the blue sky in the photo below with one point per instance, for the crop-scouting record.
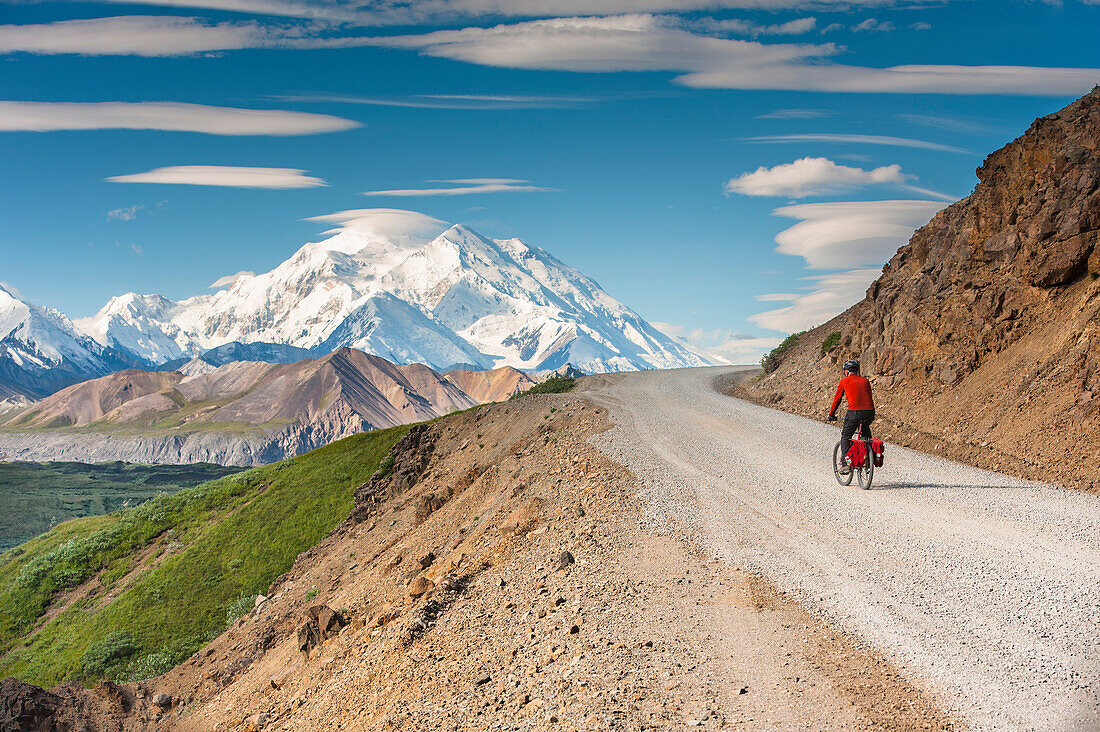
(617, 134)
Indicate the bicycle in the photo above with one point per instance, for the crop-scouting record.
(864, 473)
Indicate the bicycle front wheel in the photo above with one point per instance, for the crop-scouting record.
(838, 464)
(867, 472)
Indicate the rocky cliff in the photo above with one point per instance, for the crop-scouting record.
(981, 335)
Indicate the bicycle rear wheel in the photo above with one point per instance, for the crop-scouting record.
(837, 464)
(867, 472)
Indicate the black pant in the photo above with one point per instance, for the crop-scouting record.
(856, 418)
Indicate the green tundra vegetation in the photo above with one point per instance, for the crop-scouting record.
(182, 566)
(37, 496)
(553, 385)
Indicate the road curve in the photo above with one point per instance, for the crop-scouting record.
(985, 585)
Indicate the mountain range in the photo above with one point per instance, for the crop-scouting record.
(243, 412)
(456, 299)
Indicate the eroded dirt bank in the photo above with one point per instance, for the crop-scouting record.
(464, 611)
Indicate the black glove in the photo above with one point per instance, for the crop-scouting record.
(832, 417)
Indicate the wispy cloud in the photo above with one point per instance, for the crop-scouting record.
(839, 236)
(137, 35)
(720, 344)
(871, 25)
(950, 124)
(448, 101)
(795, 114)
(464, 187)
(173, 116)
(828, 296)
(395, 223)
(230, 280)
(818, 176)
(224, 176)
(660, 43)
(392, 12)
(858, 140)
(738, 26)
(127, 213)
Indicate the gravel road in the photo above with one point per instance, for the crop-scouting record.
(985, 586)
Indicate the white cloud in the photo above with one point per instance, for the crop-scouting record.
(127, 213)
(852, 233)
(658, 43)
(464, 187)
(858, 140)
(230, 280)
(921, 25)
(173, 116)
(742, 27)
(830, 295)
(855, 237)
(137, 250)
(814, 177)
(224, 175)
(136, 35)
(872, 25)
(394, 223)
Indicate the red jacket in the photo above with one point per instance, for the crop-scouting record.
(858, 391)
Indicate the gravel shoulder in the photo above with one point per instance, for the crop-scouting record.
(979, 585)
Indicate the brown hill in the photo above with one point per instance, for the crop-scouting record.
(294, 407)
(981, 335)
(491, 386)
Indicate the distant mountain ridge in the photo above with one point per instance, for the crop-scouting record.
(241, 413)
(457, 298)
(41, 350)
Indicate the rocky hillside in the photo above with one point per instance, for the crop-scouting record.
(242, 413)
(982, 336)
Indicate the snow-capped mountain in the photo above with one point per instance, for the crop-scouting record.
(456, 298)
(41, 351)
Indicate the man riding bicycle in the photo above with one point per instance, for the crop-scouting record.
(861, 407)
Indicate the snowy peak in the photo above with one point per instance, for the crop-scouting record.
(452, 297)
(41, 350)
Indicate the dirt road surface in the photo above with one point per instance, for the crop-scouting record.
(986, 586)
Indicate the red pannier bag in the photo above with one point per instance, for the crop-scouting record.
(857, 454)
(878, 451)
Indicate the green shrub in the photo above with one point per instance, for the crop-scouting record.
(108, 654)
(238, 607)
(385, 467)
(1094, 275)
(149, 666)
(553, 385)
(831, 341)
(771, 360)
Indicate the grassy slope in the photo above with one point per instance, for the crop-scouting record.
(36, 496)
(223, 542)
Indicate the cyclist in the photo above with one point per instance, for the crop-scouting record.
(861, 407)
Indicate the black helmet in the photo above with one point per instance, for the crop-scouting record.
(852, 366)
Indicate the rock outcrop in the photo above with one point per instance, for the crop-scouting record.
(982, 336)
(988, 269)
